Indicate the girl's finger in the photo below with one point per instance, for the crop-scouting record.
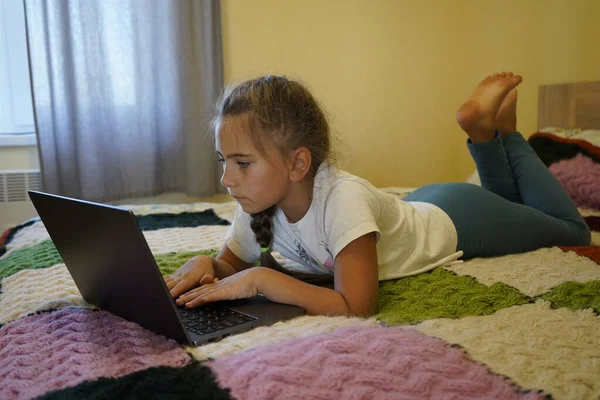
(184, 296)
(181, 287)
(213, 293)
(194, 303)
(171, 284)
(207, 279)
(192, 294)
(205, 298)
(195, 291)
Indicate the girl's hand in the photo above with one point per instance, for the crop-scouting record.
(197, 271)
(238, 286)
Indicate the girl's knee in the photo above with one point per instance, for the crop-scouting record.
(582, 235)
(586, 235)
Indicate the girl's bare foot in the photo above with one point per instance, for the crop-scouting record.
(477, 115)
(506, 118)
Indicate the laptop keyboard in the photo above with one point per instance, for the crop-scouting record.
(211, 318)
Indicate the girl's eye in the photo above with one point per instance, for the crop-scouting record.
(243, 165)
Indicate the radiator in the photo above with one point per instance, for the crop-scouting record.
(14, 184)
(15, 206)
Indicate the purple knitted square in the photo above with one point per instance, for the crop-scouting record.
(362, 363)
(59, 349)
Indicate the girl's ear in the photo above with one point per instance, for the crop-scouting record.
(301, 163)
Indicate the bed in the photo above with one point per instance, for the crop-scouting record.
(518, 326)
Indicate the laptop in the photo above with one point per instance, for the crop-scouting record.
(109, 259)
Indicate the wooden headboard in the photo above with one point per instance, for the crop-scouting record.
(569, 106)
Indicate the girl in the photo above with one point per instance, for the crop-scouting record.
(273, 140)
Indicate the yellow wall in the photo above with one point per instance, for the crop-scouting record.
(392, 73)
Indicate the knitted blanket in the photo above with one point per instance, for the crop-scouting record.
(513, 327)
(574, 162)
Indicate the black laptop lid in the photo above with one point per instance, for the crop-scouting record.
(109, 260)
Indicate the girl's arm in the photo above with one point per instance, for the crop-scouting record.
(226, 263)
(356, 284)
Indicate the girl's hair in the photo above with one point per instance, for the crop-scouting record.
(285, 112)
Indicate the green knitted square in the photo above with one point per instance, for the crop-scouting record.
(44, 254)
(575, 295)
(442, 294)
(170, 262)
(40, 255)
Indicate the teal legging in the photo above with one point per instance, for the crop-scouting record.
(519, 207)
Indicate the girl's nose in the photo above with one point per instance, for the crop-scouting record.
(226, 178)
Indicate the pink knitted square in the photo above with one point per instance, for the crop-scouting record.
(580, 176)
(362, 363)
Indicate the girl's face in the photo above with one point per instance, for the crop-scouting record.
(255, 180)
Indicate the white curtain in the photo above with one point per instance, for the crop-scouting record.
(123, 91)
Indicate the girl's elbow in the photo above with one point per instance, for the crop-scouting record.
(362, 312)
(356, 306)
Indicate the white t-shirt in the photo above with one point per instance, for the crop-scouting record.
(412, 237)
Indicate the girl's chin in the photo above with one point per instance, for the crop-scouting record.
(250, 208)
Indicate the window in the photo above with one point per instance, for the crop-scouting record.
(16, 109)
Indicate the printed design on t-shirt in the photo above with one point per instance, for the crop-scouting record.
(304, 255)
(329, 264)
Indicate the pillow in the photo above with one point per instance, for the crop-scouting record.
(580, 176)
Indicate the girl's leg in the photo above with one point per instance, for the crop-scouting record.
(495, 170)
(491, 221)
(535, 185)
(489, 225)
(538, 188)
